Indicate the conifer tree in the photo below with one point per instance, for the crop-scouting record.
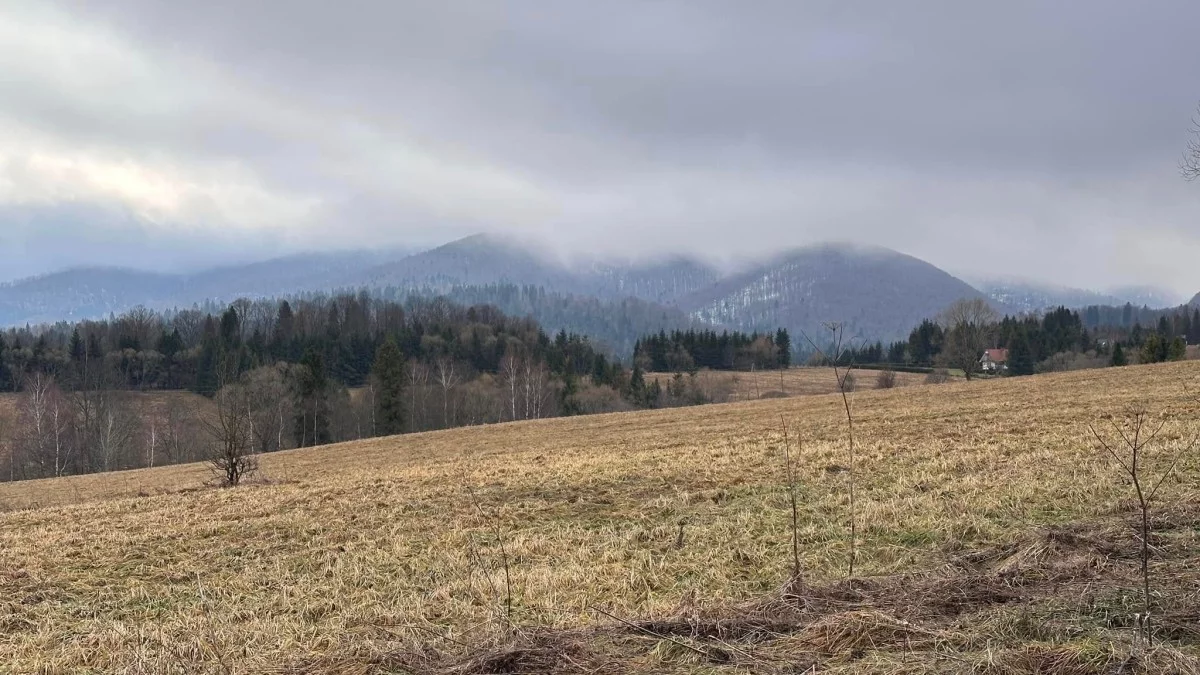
(1118, 356)
(1020, 357)
(1153, 349)
(1177, 351)
(637, 386)
(388, 375)
(783, 343)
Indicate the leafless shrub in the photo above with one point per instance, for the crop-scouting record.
(1065, 361)
(594, 400)
(886, 379)
(938, 376)
(494, 522)
(232, 435)
(1134, 436)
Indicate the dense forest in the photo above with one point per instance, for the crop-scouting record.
(303, 372)
(687, 351)
(1185, 320)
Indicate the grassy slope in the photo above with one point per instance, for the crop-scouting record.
(357, 558)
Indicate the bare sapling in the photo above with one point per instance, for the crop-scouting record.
(494, 521)
(839, 350)
(1129, 450)
(791, 483)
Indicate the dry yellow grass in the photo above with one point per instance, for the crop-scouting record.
(803, 381)
(360, 558)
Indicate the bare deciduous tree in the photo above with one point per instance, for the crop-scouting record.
(1190, 165)
(417, 374)
(270, 407)
(510, 376)
(190, 324)
(113, 430)
(449, 375)
(230, 429)
(535, 379)
(141, 324)
(44, 420)
(966, 323)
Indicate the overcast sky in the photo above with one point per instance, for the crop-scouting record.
(1034, 139)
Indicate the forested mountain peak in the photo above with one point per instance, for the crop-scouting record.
(873, 290)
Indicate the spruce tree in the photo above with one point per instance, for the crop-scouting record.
(1118, 356)
(568, 399)
(1177, 351)
(783, 342)
(1153, 349)
(6, 379)
(1020, 357)
(637, 386)
(312, 401)
(388, 375)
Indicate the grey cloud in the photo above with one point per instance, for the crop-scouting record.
(989, 137)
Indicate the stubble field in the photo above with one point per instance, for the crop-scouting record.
(993, 537)
(804, 381)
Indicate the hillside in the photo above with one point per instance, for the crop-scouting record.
(664, 281)
(91, 293)
(85, 293)
(877, 293)
(994, 538)
(473, 261)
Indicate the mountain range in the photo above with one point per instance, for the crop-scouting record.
(877, 293)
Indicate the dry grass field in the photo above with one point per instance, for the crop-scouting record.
(804, 381)
(993, 537)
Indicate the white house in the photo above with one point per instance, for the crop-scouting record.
(994, 360)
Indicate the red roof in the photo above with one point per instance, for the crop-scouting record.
(996, 355)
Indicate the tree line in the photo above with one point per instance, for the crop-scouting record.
(1060, 339)
(294, 373)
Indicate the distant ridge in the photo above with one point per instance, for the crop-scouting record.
(1030, 296)
(877, 293)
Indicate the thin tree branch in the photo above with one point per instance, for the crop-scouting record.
(651, 633)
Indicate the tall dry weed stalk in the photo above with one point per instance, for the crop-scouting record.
(791, 482)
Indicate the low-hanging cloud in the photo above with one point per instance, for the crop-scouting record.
(1029, 139)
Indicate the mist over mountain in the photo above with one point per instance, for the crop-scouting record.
(877, 293)
(94, 292)
(1030, 296)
